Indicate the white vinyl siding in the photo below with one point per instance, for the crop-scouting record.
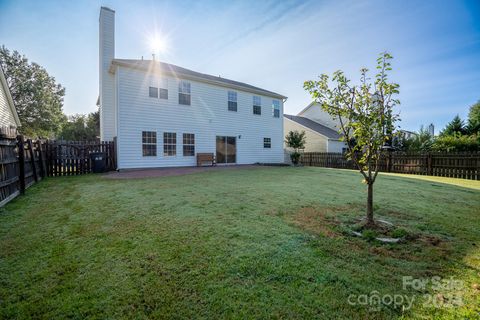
(6, 116)
(108, 115)
(206, 118)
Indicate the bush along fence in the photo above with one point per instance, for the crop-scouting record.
(465, 165)
(24, 162)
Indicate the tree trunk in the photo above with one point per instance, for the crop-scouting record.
(370, 222)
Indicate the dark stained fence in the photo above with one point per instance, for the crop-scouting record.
(69, 158)
(9, 165)
(464, 165)
(24, 162)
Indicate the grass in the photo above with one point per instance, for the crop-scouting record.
(253, 243)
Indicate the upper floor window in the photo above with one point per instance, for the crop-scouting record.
(267, 143)
(276, 108)
(188, 144)
(169, 144)
(184, 96)
(163, 89)
(153, 92)
(257, 105)
(149, 143)
(232, 101)
(158, 88)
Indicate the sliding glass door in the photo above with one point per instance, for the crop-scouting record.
(226, 149)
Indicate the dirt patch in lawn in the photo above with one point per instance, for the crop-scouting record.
(320, 221)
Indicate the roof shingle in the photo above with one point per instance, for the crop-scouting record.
(183, 72)
(315, 126)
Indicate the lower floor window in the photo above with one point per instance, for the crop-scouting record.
(188, 144)
(149, 143)
(169, 144)
(267, 143)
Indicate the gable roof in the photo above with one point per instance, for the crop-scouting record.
(4, 84)
(176, 71)
(315, 126)
(307, 107)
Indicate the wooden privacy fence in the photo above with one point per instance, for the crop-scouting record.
(24, 162)
(465, 165)
(68, 158)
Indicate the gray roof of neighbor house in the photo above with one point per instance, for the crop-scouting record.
(315, 126)
(192, 75)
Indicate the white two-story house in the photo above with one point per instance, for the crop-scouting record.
(163, 115)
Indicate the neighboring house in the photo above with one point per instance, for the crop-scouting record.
(163, 115)
(314, 112)
(321, 131)
(407, 134)
(8, 113)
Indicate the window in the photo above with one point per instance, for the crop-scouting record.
(257, 105)
(232, 101)
(149, 143)
(188, 144)
(169, 144)
(184, 93)
(276, 108)
(267, 143)
(153, 92)
(163, 93)
(163, 88)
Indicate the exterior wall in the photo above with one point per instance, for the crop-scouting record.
(206, 117)
(107, 79)
(6, 117)
(315, 142)
(336, 146)
(314, 112)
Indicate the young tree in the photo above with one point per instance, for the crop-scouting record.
(37, 97)
(454, 127)
(366, 117)
(295, 140)
(473, 125)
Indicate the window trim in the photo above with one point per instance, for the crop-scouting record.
(165, 144)
(231, 101)
(267, 143)
(190, 143)
(163, 90)
(150, 92)
(257, 105)
(276, 109)
(181, 92)
(146, 142)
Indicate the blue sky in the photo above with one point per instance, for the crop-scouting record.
(275, 45)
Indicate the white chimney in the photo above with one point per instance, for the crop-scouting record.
(107, 80)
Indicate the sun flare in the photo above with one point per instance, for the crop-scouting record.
(158, 44)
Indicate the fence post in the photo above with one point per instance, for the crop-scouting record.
(429, 164)
(478, 165)
(32, 160)
(389, 161)
(21, 163)
(114, 153)
(41, 158)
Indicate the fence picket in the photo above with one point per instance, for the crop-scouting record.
(465, 165)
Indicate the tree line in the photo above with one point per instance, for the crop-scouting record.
(38, 99)
(457, 136)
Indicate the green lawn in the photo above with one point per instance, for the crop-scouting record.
(247, 243)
